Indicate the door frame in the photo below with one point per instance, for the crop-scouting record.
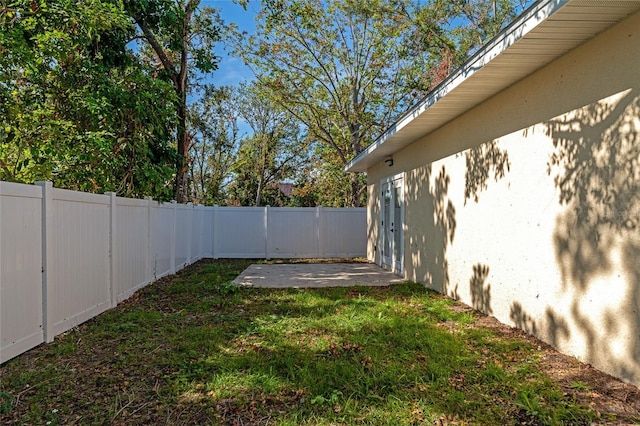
(395, 259)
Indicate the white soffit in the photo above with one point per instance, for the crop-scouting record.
(546, 31)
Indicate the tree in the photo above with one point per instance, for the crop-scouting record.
(271, 154)
(480, 20)
(342, 68)
(328, 180)
(347, 69)
(76, 104)
(214, 123)
(182, 35)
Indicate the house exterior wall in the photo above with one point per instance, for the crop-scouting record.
(527, 207)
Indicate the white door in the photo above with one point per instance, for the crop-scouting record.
(391, 224)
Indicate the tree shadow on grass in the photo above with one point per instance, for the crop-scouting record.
(187, 351)
(381, 354)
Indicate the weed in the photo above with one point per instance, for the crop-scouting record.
(529, 403)
(331, 399)
(228, 287)
(6, 402)
(580, 386)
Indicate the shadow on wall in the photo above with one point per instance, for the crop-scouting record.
(440, 218)
(521, 319)
(556, 327)
(429, 247)
(596, 168)
(480, 293)
(481, 162)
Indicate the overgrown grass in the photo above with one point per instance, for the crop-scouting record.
(194, 349)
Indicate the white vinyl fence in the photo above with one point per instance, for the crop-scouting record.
(67, 256)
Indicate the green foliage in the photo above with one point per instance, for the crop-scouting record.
(332, 399)
(180, 35)
(6, 402)
(79, 109)
(274, 153)
(228, 288)
(580, 385)
(347, 69)
(338, 67)
(214, 123)
(330, 185)
(85, 110)
(481, 20)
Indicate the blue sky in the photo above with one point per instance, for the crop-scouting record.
(231, 69)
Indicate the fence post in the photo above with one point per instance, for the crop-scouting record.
(202, 210)
(267, 255)
(172, 267)
(148, 270)
(319, 230)
(1, 359)
(112, 248)
(214, 242)
(47, 251)
(190, 234)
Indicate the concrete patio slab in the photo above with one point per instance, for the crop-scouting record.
(316, 275)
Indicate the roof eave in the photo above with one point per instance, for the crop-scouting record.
(403, 132)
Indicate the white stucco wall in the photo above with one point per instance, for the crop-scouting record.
(553, 245)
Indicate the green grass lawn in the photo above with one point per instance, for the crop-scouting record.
(194, 349)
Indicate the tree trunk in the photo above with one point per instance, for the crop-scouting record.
(259, 192)
(181, 184)
(179, 78)
(263, 166)
(355, 190)
(356, 143)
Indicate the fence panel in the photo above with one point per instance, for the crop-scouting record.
(256, 232)
(293, 233)
(184, 216)
(240, 232)
(207, 231)
(343, 232)
(161, 239)
(20, 269)
(131, 251)
(197, 236)
(67, 256)
(77, 259)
